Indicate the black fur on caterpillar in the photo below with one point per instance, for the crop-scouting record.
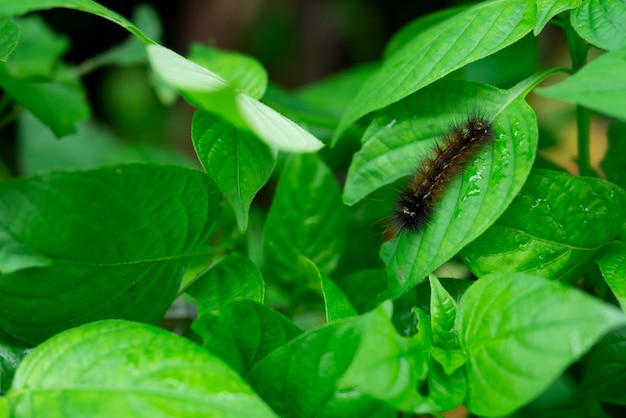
(417, 201)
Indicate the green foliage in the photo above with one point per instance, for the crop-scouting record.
(273, 237)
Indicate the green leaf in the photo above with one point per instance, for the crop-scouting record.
(612, 263)
(547, 9)
(127, 369)
(9, 35)
(116, 239)
(359, 286)
(402, 136)
(234, 277)
(306, 219)
(208, 91)
(465, 37)
(554, 228)
(602, 23)
(520, 332)
(599, 85)
(245, 73)
(337, 304)
(93, 145)
(300, 379)
(235, 159)
(244, 333)
(11, 354)
(606, 372)
(13, 8)
(613, 165)
(39, 50)
(133, 50)
(443, 314)
(42, 99)
(386, 365)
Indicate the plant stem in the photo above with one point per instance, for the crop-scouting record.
(578, 52)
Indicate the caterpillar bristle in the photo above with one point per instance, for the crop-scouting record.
(417, 201)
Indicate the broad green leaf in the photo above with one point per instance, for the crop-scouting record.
(39, 50)
(602, 23)
(16, 8)
(612, 263)
(613, 165)
(301, 378)
(400, 371)
(116, 241)
(93, 145)
(244, 333)
(414, 28)
(245, 73)
(123, 369)
(9, 35)
(443, 314)
(208, 91)
(386, 365)
(235, 277)
(337, 304)
(11, 354)
(402, 135)
(605, 374)
(236, 160)
(306, 219)
(360, 286)
(465, 37)
(42, 98)
(554, 228)
(547, 9)
(599, 85)
(520, 332)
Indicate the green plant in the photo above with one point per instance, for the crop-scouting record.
(94, 250)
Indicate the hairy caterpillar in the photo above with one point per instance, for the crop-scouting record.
(418, 199)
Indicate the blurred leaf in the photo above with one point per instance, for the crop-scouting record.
(402, 135)
(127, 369)
(11, 354)
(93, 145)
(116, 242)
(547, 9)
(208, 91)
(244, 333)
(133, 50)
(599, 85)
(613, 164)
(520, 332)
(234, 277)
(13, 8)
(244, 72)
(606, 371)
(301, 378)
(306, 219)
(235, 159)
(9, 35)
(360, 285)
(42, 99)
(601, 23)
(612, 263)
(337, 304)
(39, 50)
(554, 228)
(439, 49)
